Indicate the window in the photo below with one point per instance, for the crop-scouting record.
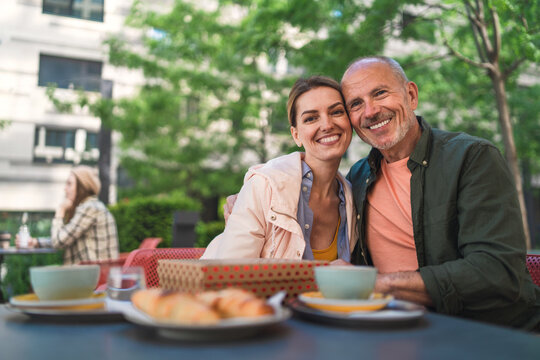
(91, 141)
(60, 138)
(82, 9)
(69, 73)
(52, 145)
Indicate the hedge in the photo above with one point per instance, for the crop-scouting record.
(148, 217)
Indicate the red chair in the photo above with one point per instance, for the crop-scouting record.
(105, 265)
(533, 264)
(150, 243)
(148, 260)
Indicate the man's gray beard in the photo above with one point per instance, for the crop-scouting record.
(402, 132)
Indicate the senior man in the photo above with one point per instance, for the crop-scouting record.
(438, 213)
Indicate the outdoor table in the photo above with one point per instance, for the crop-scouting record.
(436, 337)
(18, 251)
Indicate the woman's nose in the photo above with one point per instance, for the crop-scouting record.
(326, 122)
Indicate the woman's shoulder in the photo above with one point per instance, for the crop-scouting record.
(285, 165)
(91, 203)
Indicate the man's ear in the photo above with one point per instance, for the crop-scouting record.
(294, 133)
(412, 94)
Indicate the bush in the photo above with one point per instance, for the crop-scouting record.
(141, 218)
(17, 278)
(207, 231)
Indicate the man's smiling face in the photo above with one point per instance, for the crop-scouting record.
(381, 106)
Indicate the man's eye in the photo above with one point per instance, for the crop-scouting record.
(354, 104)
(380, 92)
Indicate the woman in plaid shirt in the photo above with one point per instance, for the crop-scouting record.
(82, 225)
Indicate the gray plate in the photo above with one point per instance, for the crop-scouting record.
(101, 315)
(396, 313)
(225, 330)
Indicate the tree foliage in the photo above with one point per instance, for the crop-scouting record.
(213, 91)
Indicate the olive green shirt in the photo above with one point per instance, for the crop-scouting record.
(467, 224)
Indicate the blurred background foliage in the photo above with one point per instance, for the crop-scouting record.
(216, 86)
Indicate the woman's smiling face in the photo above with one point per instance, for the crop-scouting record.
(322, 124)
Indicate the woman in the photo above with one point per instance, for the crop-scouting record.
(298, 206)
(82, 225)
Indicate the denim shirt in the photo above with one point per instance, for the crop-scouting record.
(305, 216)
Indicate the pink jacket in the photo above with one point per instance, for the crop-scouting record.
(263, 221)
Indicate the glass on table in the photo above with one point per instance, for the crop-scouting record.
(122, 282)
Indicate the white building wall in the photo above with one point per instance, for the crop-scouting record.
(25, 33)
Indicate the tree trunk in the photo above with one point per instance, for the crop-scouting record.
(105, 143)
(509, 145)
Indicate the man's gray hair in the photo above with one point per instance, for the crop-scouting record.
(394, 65)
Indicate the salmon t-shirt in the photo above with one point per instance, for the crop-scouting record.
(389, 229)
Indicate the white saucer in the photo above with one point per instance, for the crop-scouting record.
(315, 300)
(32, 301)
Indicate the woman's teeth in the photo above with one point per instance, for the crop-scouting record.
(329, 139)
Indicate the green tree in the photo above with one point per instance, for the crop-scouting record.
(205, 106)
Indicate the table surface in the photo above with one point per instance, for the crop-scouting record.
(435, 337)
(29, 251)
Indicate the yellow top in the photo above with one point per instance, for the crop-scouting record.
(330, 253)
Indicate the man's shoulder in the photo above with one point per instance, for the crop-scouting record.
(457, 139)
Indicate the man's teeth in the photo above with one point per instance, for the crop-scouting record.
(376, 126)
(329, 139)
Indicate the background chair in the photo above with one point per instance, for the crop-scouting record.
(150, 243)
(148, 260)
(105, 265)
(533, 264)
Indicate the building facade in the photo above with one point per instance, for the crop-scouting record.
(43, 42)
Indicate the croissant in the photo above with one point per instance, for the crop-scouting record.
(174, 307)
(235, 303)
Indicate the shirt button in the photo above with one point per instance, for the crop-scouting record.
(367, 181)
(358, 217)
(424, 162)
(306, 226)
(308, 175)
(304, 189)
(298, 253)
(273, 217)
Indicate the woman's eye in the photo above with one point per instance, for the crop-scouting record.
(309, 119)
(338, 112)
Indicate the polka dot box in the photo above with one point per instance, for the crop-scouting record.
(264, 277)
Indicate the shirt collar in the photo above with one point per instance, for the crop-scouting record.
(306, 171)
(420, 153)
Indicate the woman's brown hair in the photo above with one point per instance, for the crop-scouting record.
(81, 194)
(303, 85)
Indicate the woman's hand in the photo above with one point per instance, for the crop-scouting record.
(340, 262)
(61, 210)
(32, 242)
(228, 206)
